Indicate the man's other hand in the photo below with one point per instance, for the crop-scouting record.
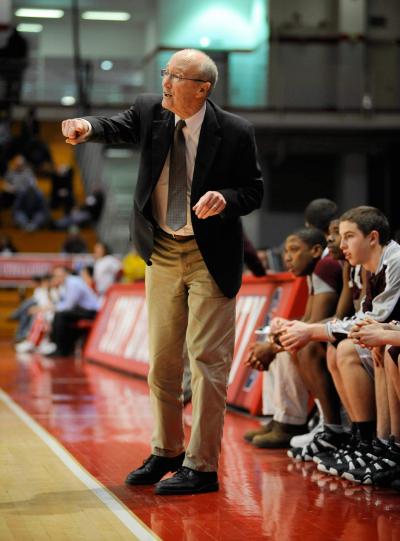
(210, 204)
(76, 130)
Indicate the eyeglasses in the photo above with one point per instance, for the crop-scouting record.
(173, 77)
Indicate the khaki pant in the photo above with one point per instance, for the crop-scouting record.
(184, 303)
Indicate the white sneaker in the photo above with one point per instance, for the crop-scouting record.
(25, 347)
(304, 439)
(43, 344)
(47, 348)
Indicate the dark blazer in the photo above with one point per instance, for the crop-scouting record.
(226, 161)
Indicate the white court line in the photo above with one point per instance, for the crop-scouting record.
(134, 524)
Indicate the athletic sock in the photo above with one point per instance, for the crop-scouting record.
(335, 428)
(366, 430)
(396, 444)
(385, 441)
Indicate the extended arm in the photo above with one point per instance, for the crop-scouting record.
(121, 128)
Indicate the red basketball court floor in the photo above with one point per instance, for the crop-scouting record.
(103, 419)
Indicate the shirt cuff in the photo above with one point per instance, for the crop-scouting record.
(88, 124)
(329, 331)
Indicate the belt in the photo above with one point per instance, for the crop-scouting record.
(178, 238)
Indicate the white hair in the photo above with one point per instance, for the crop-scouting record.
(207, 68)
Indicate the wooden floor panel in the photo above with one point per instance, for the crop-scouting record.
(103, 419)
(40, 499)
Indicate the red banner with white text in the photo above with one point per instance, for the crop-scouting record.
(119, 338)
(20, 269)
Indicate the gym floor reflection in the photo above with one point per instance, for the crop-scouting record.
(103, 419)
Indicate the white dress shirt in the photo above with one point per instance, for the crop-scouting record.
(159, 200)
(105, 272)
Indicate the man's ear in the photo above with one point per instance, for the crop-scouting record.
(374, 237)
(205, 88)
(316, 250)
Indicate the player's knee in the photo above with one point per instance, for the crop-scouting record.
(346, 355)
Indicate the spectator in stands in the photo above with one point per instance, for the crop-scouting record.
(5, 141)
(263, 257)
(251, 259)
(41, 316)
(107, 268)
(14, 60)
(30, 211)
(74, 242)
(18, 178)
(30, 126)
(272, 258)
(31, 145)
(133, 267)
(303, 257)
(38, 154)
(87, 214)
(6, 245)
(25, 312)
(77, 301)
(365, 240)
(86, 273)
(62, 192)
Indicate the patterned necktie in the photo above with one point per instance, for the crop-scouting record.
(177, 188)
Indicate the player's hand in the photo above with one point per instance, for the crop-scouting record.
(368, 335)
(261, 355)
(76, 130)
(210, 204)
(277, 323)
(295, 335)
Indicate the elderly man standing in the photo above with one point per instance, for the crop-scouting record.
(198, 174)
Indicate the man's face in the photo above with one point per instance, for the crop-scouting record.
(298, 256)
(263, 257)
(183, 97)
(333, 240)
(98, 251)
(355, 245)
(19, 163)
(59, 276)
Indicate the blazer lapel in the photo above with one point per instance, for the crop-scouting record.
(209, 142)
(162, 133)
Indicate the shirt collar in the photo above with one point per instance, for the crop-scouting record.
(195, 121)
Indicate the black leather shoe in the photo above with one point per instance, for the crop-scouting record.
(188, 481)
(154, 468)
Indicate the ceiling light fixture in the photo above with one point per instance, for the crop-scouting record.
(41, 13)
(68, 100)
(106, 65)
(106, 16)
(29, 27)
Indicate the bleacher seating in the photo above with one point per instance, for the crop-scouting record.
(47, 241)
